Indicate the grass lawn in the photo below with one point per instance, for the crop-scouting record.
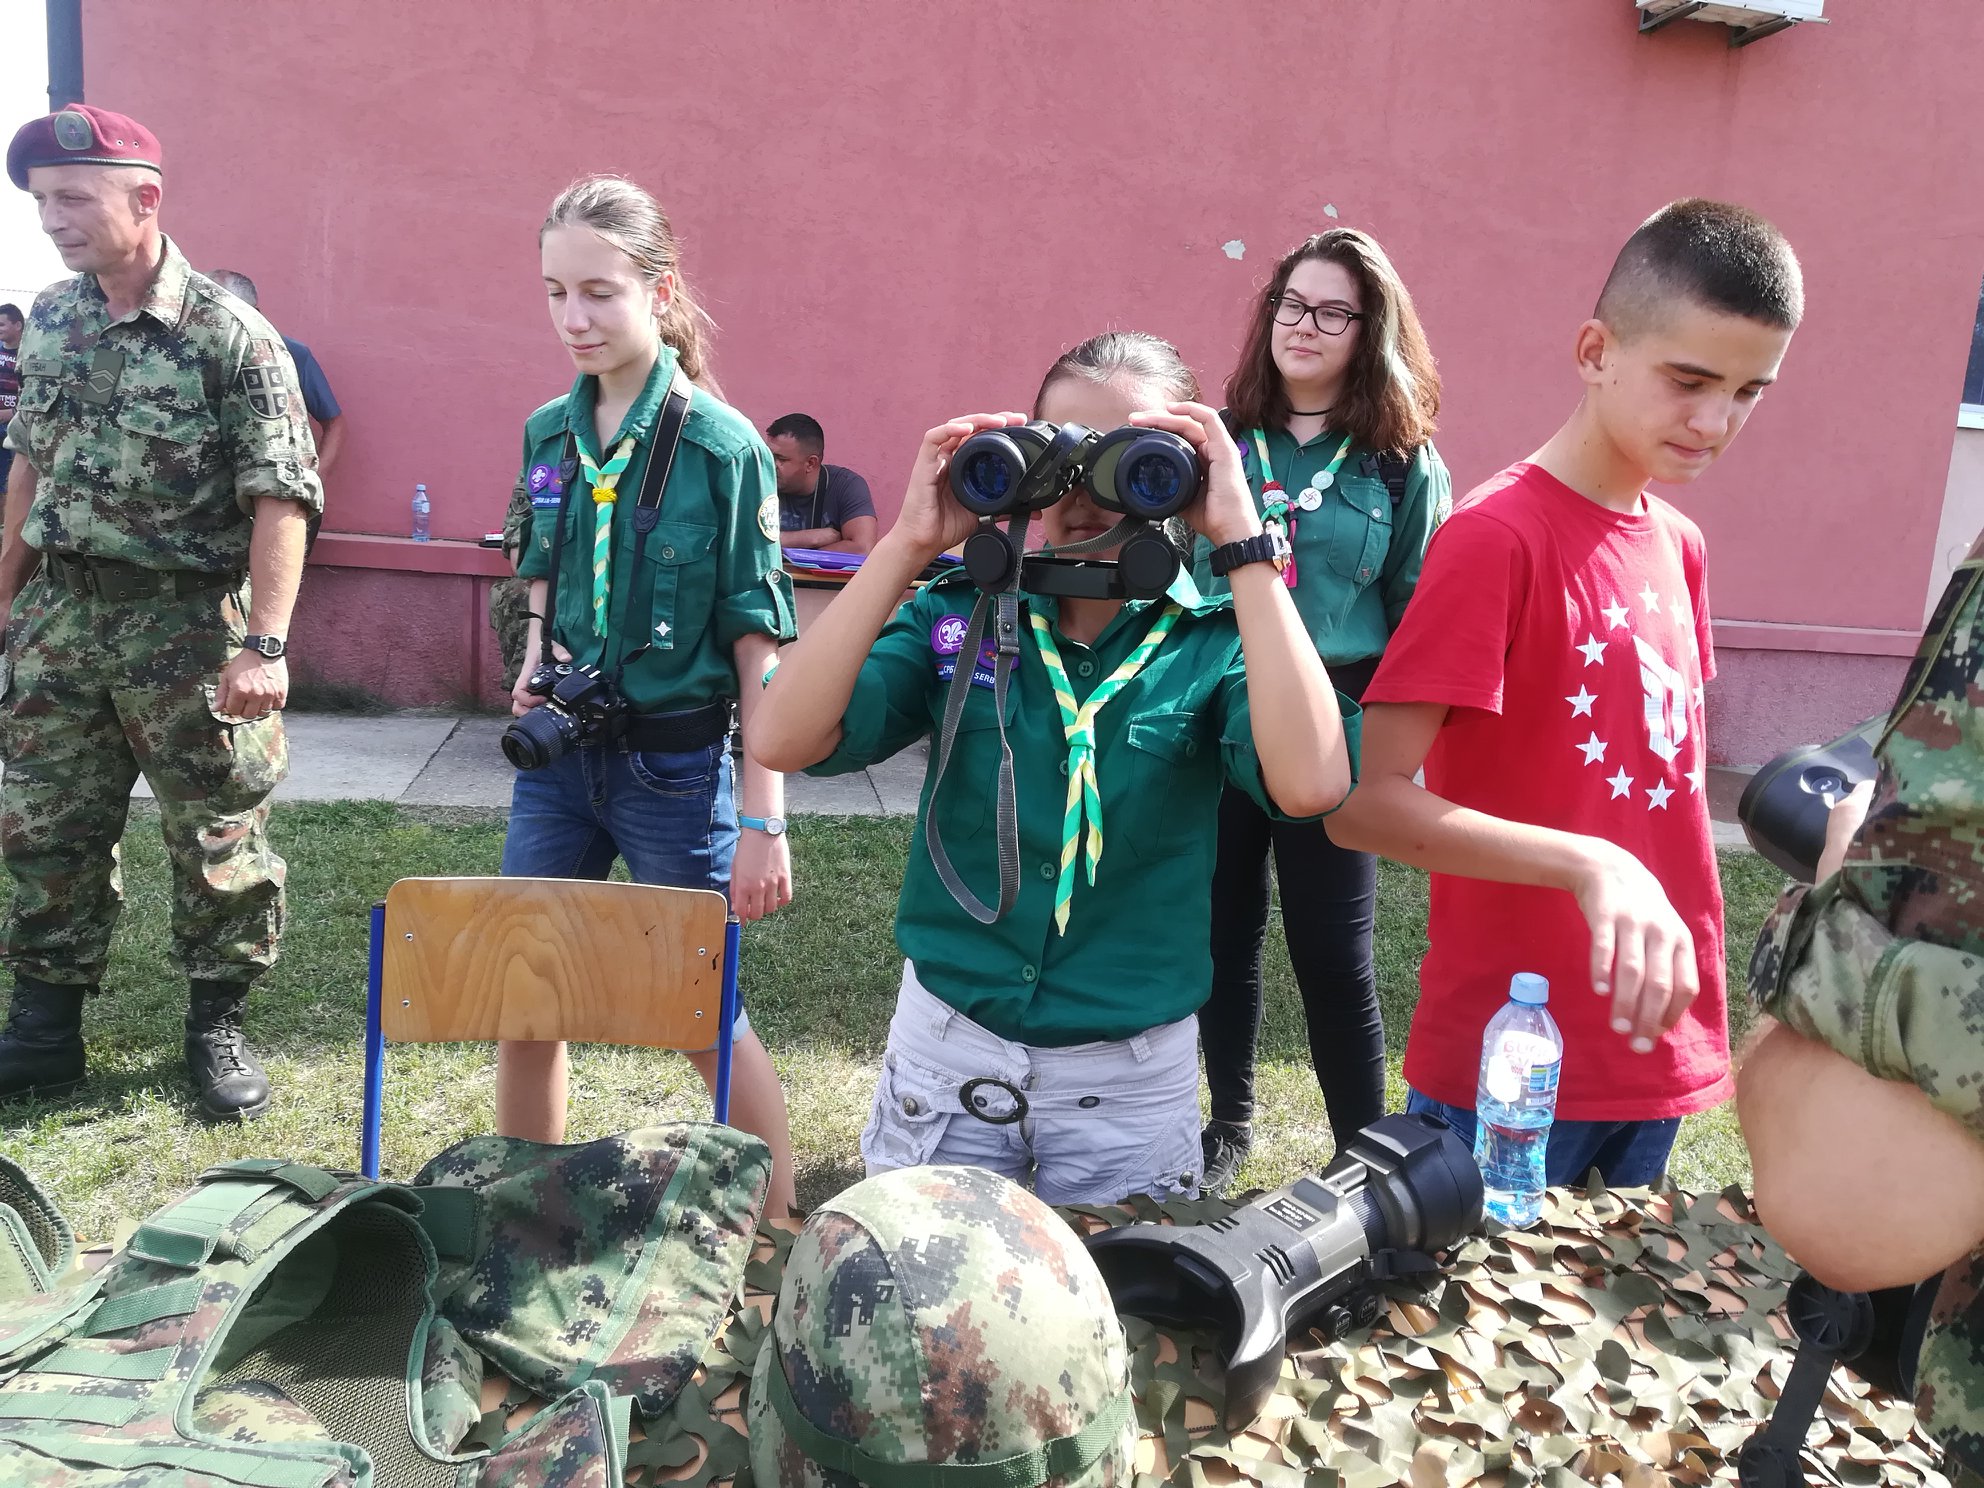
(819, 980)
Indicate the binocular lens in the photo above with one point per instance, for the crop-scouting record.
(1152, 480)
(988, 478)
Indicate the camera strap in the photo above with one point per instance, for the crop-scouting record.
(1003, 605)
(647, 506)
(647, 509)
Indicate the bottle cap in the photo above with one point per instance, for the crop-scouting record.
(1529, 989)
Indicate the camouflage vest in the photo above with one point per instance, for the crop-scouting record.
(282, 1326)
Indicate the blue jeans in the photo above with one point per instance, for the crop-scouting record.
(1627, 1154)
(671, 816)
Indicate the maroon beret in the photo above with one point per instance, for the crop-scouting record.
(81, 134)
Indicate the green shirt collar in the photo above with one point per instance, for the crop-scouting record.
(639, 419)
(165, 300)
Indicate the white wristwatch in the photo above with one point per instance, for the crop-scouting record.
(771, 826)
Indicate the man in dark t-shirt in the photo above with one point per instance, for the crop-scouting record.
(821, 506)
(11, 325)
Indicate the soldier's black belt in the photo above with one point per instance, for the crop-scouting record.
(674, 733)
(120, 583)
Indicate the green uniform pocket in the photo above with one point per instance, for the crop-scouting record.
(971, 783)
(1360, 530)
(683, 592)
(1154, 806)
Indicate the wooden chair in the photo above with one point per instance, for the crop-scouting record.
(461, 959)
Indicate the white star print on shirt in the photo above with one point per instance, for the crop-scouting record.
(1593, 649)
(1696, 778)
(1650, 599)
(1594, 749)
(1657, 796)
(1622, 784)
(1581, 704)
(1615, 615)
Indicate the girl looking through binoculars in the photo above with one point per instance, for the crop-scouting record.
(1056, 1045)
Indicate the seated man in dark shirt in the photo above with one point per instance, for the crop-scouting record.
(824, 507)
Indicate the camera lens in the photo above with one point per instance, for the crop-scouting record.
(539, 737)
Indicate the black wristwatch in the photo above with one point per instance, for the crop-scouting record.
(271, 648)
(1270, 546)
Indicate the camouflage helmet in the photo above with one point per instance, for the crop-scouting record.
(941, 1326)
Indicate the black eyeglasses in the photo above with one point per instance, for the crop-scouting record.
(1331, 320)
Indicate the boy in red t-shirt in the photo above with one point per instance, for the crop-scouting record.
(1548, 675)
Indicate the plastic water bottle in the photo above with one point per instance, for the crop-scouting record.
(1521, 1056)
(421, 511)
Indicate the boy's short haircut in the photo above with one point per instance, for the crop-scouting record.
(801, 430)
(1720, 256)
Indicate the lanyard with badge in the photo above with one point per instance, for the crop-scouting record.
(1275, 503)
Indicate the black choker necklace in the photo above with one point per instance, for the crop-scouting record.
(1309, 413)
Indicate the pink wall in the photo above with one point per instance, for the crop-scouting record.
(899, 212)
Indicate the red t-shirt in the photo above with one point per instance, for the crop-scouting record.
(1570, 643)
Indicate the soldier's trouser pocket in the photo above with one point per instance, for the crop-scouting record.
(191, 753)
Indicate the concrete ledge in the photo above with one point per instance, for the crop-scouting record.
(443, 555)
(1839, 640)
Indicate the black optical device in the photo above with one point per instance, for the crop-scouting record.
(1785, 805)
(580, 707)
(1313, 1253)
(1143, 475)
(1876, 1335)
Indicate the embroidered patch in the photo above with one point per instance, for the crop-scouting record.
(981, 675)
(546, 501)
(768, 517)
(947, 635)
(540, 477)
(266, 392)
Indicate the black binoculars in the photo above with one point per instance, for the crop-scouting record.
(1148, 474)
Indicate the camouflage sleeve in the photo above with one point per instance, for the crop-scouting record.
(267, 432)
(1900, 1008)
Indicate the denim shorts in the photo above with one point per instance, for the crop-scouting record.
(1088, 1124)
(670, 816)
(1627, 1154)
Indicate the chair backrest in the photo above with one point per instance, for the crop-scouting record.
(551, 958)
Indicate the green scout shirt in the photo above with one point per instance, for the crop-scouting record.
(1136, 953)
(1357, 557)
(710, 572)
(153, 435)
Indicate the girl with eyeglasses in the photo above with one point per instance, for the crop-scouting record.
(1332, 405)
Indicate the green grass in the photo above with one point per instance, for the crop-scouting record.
(819, 979)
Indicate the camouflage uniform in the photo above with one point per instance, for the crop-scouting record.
(931, 1323)
(152, 438)
(1884, 961)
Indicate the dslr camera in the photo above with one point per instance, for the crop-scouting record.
(1145, 475)
(580, 707)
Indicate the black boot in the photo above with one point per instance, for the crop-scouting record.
(41, 1048)
(233, 1085)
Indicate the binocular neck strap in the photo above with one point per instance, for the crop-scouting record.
(647, 507)
(1004, 606)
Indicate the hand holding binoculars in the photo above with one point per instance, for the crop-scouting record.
(1145, 475)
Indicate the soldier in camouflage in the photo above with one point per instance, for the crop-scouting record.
(154, 541)
(939, 1328)
(1864, 1103)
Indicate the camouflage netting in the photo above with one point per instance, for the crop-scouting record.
(1627, 1340)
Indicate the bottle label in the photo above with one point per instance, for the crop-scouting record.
(1522, 1069)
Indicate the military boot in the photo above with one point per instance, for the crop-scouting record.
(233, 1085)
(41, 1048)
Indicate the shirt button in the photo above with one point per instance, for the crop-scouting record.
(1375, 512)
(1191, 749)
(1064, 767)
(1028, 973)
(1086, 669)
(1046, 870)
(670, 552)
